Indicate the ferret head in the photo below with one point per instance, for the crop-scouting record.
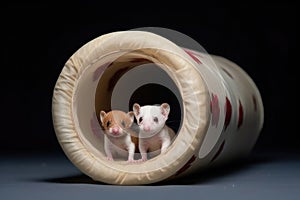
(116, 122)
(151, 119)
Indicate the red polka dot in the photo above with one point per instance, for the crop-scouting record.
(228, 74)
(193, 56)
(254, 102)
(241, 114)
(228, 111)
(186, 166)
(98, 72)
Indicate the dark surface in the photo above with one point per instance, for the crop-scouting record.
(268, 176)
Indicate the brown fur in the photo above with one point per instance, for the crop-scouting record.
(116, 117)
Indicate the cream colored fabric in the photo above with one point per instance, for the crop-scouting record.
(180, 68)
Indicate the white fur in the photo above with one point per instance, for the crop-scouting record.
(112, 147)
(154, 135)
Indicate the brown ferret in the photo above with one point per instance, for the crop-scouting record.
(119, 140)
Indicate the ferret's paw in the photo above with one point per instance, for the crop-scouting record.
(109, 158)
(142, 160)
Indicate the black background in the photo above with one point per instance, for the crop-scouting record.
(38, 38)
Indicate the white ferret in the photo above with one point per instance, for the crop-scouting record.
(154, 135)
(118, 140)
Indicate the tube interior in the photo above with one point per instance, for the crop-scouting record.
(116, 84)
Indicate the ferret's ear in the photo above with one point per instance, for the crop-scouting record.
(165, 110)
(136, 109)
(131, 116)
(102, 115)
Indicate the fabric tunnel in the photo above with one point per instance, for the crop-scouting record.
(216, 110)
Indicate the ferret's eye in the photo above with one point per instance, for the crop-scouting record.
(155, 119)
(123, 123)
(108, 123)
(140, 119)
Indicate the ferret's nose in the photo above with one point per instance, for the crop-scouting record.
(147, 128)
(115, 130)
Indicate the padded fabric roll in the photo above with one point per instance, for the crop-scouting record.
(217, 106)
